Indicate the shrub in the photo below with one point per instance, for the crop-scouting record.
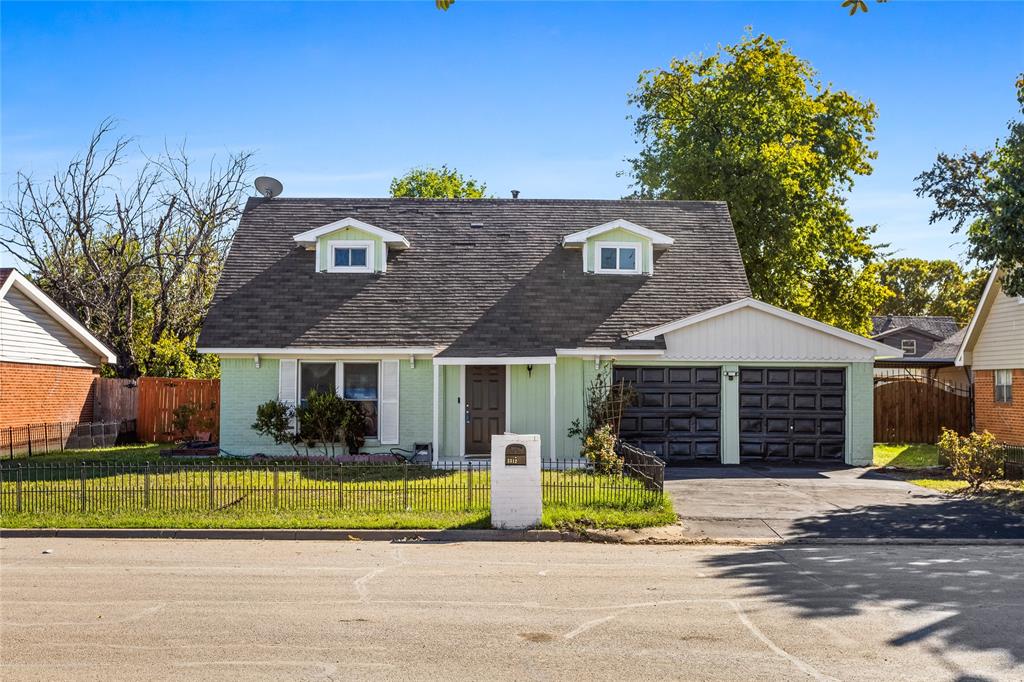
(599, 449)
(323, 419)
(976, 458)
(187, 418)
(274, 420)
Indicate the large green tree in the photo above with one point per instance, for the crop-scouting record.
(937, 287)
(437, 183)
(983, 192)
(752, 125)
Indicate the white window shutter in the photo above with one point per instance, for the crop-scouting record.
(287, 382)
(388, 411)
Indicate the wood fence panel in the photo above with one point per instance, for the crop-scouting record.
(115, 400)
(159, 397)
(915, 410)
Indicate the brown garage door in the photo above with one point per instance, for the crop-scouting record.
(678, 412)
(792, 414)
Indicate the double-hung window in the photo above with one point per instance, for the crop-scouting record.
(350, 256)
(618, 258)
(358, 381)
(1004, 385)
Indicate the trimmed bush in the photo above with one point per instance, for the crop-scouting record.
(976, 458)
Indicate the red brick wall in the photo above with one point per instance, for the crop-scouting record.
(1005, 420)
(38, 394)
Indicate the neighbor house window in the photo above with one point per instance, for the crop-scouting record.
(618, 258)
(358, 381)
(1004, 385)
(350, 256)
(909, 346)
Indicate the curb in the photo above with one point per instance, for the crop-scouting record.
(412, 535)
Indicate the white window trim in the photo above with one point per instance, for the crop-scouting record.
(339, 383)
(351, 244)
(638, 263)
(912, 343)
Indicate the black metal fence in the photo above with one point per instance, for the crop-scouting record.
(41, 439)
(1013, 461)
(349, 487)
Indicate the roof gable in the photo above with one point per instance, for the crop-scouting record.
(310, 237)
(15, 280)
(581, 237)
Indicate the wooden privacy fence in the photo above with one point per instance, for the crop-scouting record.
(157, 399)
(115, 400)
(915, 409)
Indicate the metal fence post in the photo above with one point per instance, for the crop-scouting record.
(81, 469)
(277, 488)
(29, 428)
(145, 487)
(405, 486)
(10, 440)
(341, 486)
(469, 485)
(211, 486)
(46, 437)
(18, 497)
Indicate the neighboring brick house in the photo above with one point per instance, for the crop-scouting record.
(993, 349)
(48, 360)
(929, 344)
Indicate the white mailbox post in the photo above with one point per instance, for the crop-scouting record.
(515, 480)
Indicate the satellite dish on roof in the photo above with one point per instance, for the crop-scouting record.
(269, 187)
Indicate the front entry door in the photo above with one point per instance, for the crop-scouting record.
(485, 406)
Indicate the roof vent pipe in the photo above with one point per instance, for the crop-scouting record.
(515, 194)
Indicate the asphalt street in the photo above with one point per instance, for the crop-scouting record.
(90, 609)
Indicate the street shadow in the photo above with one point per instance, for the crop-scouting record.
(934, 590)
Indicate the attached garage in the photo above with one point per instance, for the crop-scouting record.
(748, 382)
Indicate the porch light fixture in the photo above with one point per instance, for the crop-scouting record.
(529, 370)
(731, 374)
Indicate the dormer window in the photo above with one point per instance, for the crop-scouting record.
(618, 248)
(618, 258)
(351, 256)
(908, 346)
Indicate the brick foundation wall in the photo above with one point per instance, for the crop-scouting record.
(1005, 420)
(38, 394)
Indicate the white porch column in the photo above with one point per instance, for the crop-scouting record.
(552, 438)
(437, 411)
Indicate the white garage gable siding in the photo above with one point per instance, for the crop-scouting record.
(28, 334)
(749, 334)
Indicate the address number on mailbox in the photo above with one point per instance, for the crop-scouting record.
(515, 455)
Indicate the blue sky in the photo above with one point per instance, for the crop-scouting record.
(338, 98)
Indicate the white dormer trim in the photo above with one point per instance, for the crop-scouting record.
(881, 350)
(392, 239)
(581, 237)
(36, 295)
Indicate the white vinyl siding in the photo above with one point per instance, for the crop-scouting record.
(750, 334)
(29, 334)
(1001, 342)
(388, 406)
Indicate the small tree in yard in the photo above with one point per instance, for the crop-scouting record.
(599, 449)
(274, 420)
(976, 458)
(322, 420)
(599, 429)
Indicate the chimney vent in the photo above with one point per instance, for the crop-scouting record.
(515, 194)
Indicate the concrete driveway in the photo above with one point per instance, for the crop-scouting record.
(788, 503)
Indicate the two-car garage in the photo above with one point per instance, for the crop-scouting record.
(749, 383)
(793, 414)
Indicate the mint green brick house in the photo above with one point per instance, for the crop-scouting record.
(454, 320)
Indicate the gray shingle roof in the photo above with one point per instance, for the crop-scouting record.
(507, 288)
(939, 326)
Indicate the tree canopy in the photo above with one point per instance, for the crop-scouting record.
(134, 254)
(427, 182)
(937, 287)
(752, 125)
(984, 193)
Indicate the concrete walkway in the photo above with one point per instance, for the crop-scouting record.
(760, 504)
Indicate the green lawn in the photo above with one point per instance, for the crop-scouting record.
(906, 455)
(127, 454)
